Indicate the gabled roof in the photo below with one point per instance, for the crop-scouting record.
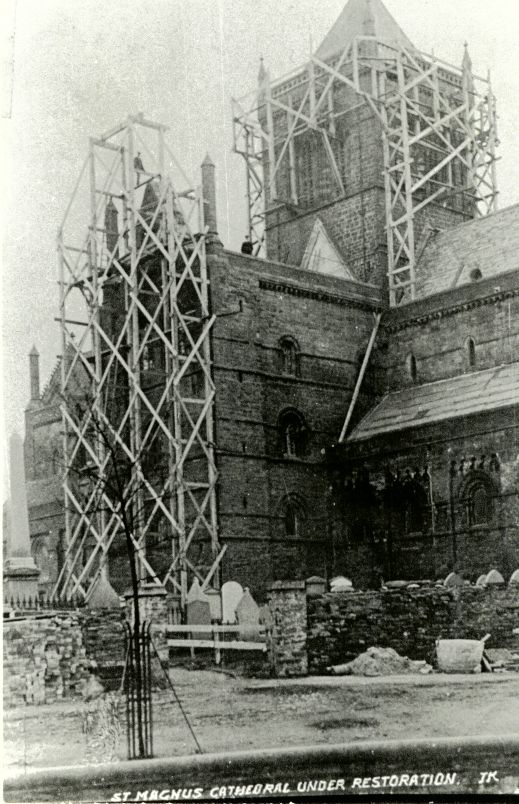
(362, 18)
(489, 246)
(322, 256)
(418, 405)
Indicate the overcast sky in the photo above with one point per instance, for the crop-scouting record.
(82, 65)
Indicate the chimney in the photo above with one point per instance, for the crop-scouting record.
(34, 371)
(209, 198)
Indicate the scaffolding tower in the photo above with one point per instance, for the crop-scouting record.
(438, 127)
(136, 382)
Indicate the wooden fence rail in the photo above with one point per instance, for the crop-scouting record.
(253, 638)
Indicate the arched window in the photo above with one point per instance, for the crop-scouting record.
(289, 356)
(293, 513)
(480, 506)
(477, 495)
(411, 367)
(471, 352)
(292, 432)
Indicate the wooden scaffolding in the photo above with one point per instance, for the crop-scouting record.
(438, 128)
(137, 389)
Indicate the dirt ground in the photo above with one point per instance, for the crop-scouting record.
(229, 713)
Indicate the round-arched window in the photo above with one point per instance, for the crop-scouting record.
(293, 433)
(289, 349)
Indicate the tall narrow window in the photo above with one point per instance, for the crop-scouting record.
(293, 514)
(292, 432)
(471, 352)
(480, 505)
(291, 520)
(411, 367)
(289, 355)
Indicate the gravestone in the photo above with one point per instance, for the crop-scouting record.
(247, 614)
(453, 580)
(514, 578)
(494, 578)
(215, 603)
(232, 593)
(341, 584)
(198, 609)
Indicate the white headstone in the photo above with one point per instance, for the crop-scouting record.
(494, 578)
(514, 578)
(341, 584)
(232, 593)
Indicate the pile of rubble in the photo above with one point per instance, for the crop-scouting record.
(380, 662)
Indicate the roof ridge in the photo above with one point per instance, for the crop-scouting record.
(52, 375)
(455, 377)
(473, 221)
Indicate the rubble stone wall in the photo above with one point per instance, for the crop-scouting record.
(287, 640)
(340, 626)
(44, 659)
(48, 658)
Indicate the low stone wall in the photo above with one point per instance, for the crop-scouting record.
(311, 633)
(44, 659)
(491, 610)
(340, 626)
(48, 658)
(104, 640)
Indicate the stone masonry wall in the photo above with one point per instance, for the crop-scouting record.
(44, 659)
(255, 477)
(48, 658)
(287, 648)
(340, 626)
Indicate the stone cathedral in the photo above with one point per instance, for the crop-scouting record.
(366, 416)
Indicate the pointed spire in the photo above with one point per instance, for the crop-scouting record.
(467, 79)
(207, 161)
(368, 22)
(466, 64)
(362, 18)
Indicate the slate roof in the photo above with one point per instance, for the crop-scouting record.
(437, 401)
(352, 22)
(490, 244)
